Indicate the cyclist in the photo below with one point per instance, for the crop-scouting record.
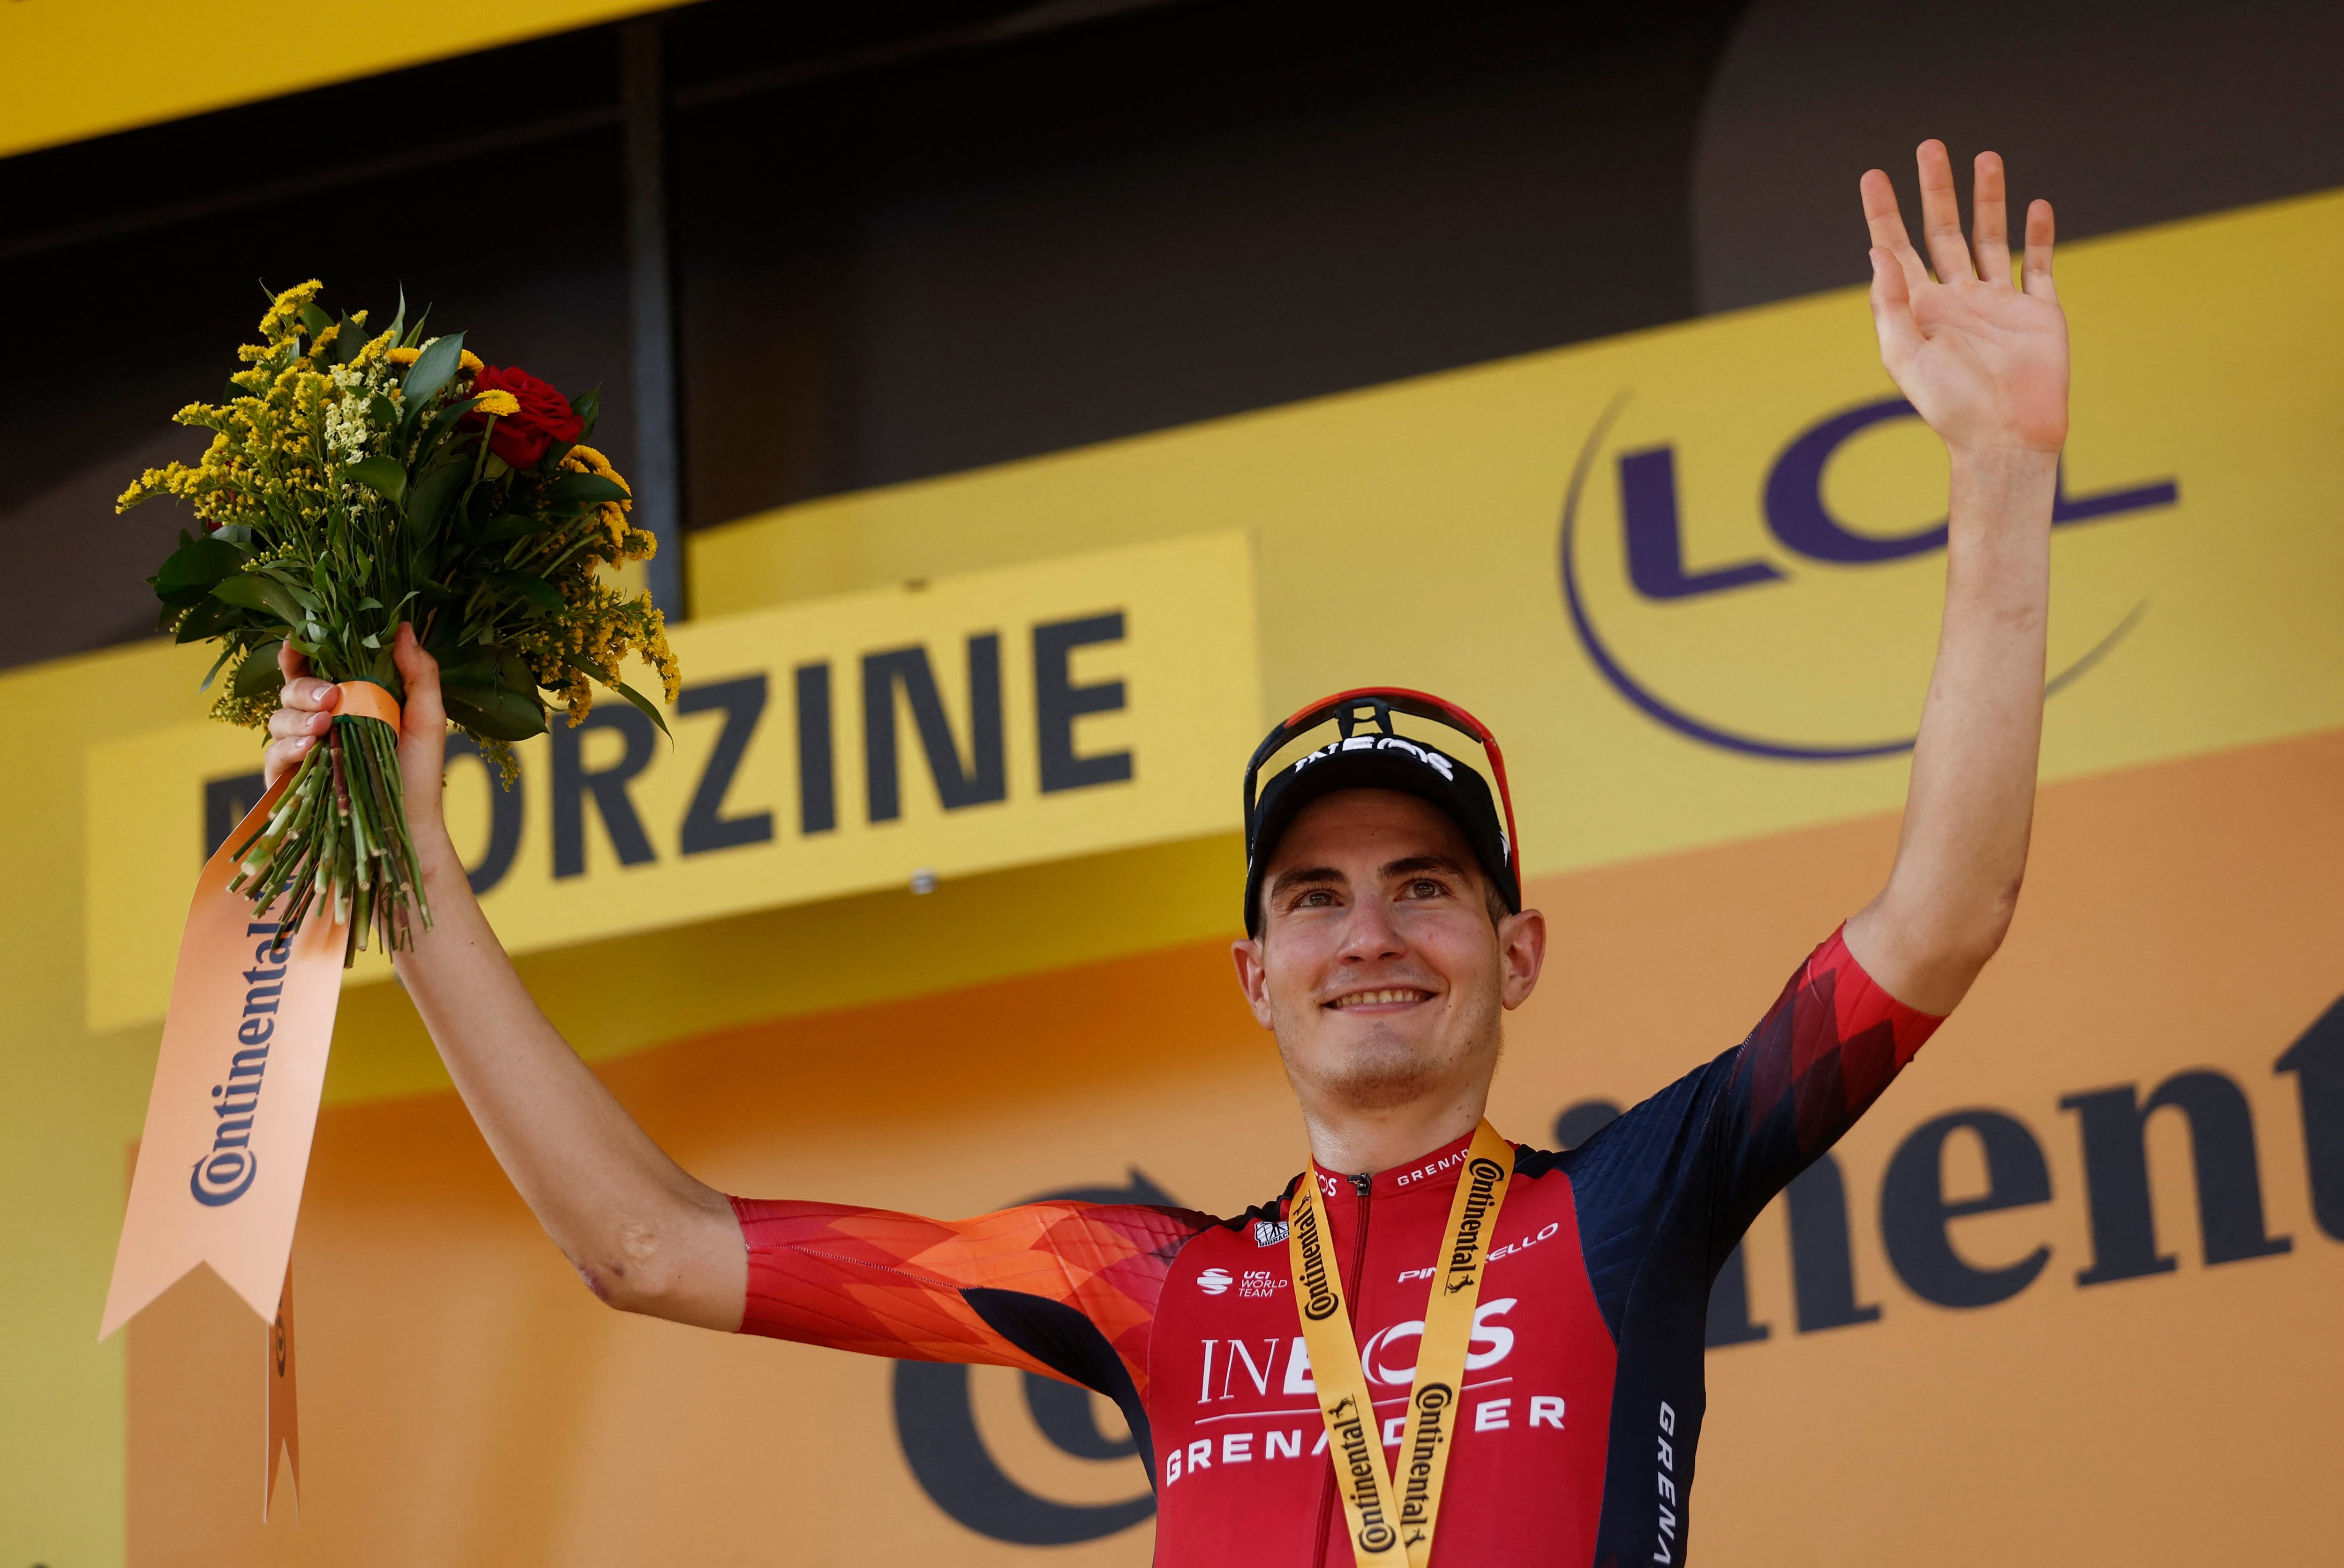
(1429, 1337)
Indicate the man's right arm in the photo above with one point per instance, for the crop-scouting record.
(644, 1235)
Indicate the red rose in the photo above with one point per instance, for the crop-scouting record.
(545, 416)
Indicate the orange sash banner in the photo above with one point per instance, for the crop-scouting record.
(235, 1101)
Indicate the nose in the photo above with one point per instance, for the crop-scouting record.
(1370, 935)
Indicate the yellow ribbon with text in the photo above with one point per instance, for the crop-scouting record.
(1389, 1531)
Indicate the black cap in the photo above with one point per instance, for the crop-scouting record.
(1381, 758)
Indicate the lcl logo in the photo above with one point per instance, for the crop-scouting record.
(1803, 524)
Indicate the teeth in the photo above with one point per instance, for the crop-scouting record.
(1374, 998)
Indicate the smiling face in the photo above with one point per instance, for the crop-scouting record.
(1385, 961)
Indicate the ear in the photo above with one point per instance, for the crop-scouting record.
(1253, 977)
(1521, 952)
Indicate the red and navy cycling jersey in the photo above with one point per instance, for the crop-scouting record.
(1582, 1407)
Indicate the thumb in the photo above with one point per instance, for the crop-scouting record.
(1891, 309)
(419, 671)
(423, 730)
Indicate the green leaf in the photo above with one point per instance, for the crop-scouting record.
(432, 494)
(442, 423)
(536, 590)
(611, 680)
(497, 712)
(387, 476)
(582, 489)
(316, 320)
(639, 699)
(415, 333)
(432, 372)
(227, 651)
(252, 591)
(258, 674)
(192, 569)
(587, 407)
(398, 319)
(208, 619)
(506, 529)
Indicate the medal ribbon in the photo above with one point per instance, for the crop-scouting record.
(1392, 1516)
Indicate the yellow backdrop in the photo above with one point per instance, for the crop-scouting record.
(1688, 576)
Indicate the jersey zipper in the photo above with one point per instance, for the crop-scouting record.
(1365, 1185)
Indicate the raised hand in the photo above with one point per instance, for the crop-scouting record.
(1984, 362)
(306, 712)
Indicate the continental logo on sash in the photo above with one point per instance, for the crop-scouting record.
(1432, 1403)
(1481, 1176)
(1355, 1436)
(1319, 1301)
(835, 746)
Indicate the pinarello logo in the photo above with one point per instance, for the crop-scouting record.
(1622, 510)
(1213, 1281)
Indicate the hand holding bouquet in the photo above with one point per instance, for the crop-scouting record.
(355, 482)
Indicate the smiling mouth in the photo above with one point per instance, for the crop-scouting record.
(1390, 996)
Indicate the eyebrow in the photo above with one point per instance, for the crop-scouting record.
(1308, 877)
(1415, 863)
(1330, 877)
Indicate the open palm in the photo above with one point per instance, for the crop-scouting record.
(1984, 361)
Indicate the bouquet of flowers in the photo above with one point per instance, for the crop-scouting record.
(358, 480)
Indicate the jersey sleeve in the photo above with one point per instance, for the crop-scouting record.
(1831, 1043)
(1058, 1288)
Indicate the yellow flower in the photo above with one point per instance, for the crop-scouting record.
(498, 403)
(468, 362)
(403, 357)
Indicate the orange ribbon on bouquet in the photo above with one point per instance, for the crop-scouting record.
(233, 1107)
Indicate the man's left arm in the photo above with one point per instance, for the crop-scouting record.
(1984, 359)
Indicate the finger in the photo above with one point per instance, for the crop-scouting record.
(1989, 219)
(308, 694)
(286, 724)
(1892, 310)
(420, 673)
(291, 660)
(1887, 226)
(2039, 236)
(1941, 213)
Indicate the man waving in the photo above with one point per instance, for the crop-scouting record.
(1433, 1345)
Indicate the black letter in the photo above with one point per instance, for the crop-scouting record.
(2317, 1061)
(1582, 1121)
(225, 802)
(504, 817)
(985, 779)
(1913, 1212)
(743, 701)
(1058, 702)
(936, 1422)
(2115, 1168)
(572, 783)
(818, 778)
(1729, 1305)
(1655, 539)
(1823, 1271)
(1069, 1420)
